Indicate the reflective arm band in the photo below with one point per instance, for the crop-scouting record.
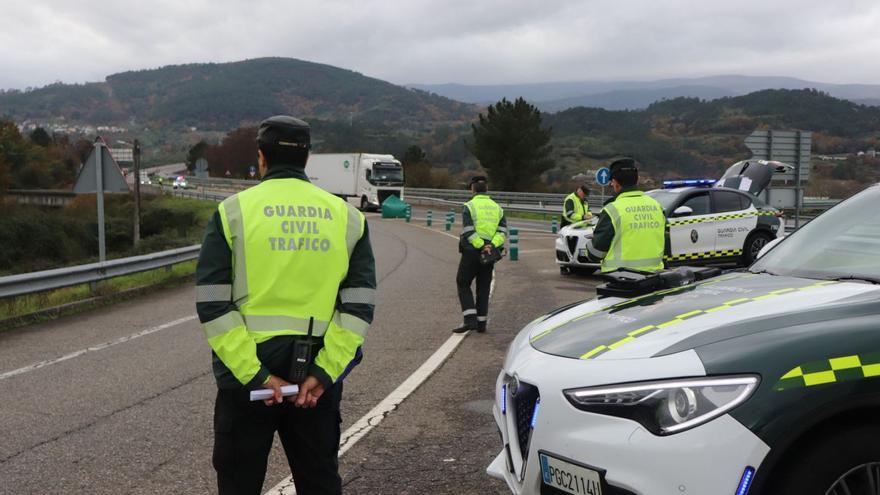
(341, 342)
(476, 241)
(498, 240)
(469, 228)
(213, 293)
(228, 337)
(595, 252)
(358, 295)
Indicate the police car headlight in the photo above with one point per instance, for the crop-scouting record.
(669, 406)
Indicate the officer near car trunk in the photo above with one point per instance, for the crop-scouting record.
(285, 293)
(631, 230)
(483, 235)
(574, 208)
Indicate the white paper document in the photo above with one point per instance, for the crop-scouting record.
(266, 393)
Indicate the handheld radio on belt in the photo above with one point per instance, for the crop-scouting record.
(302, 356)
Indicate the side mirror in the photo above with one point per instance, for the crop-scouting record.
(767, 247)
(368, 173)
(683, 211)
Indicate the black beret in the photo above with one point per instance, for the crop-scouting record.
(283, 130)
(622, 165)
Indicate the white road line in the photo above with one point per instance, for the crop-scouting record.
(99, 347)
(372, 419)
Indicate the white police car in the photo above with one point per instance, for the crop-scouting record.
(763, 381)
(727, 223)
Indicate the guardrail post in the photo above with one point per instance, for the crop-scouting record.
(430, 214)
(553, 226)
(514, 244)
(93, 288)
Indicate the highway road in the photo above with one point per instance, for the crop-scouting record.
(120, 400)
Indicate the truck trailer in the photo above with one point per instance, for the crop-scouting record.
(369, 179)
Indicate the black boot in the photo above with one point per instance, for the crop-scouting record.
(481, 326)
(470, 323)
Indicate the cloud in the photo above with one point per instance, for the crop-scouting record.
(467, 41)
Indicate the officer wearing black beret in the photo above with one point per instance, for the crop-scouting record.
(282, 305)
(483, 235)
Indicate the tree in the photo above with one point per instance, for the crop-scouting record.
(416, 168)
(194, 153)
(41, 138)
(512, 146)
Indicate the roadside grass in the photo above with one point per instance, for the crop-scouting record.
(112, 289)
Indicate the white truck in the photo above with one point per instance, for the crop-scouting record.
(369, 179)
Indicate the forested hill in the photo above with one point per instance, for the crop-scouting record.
(225, 96)
(685, 136)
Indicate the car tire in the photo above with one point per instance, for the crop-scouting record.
(841, 458)
(754, 243)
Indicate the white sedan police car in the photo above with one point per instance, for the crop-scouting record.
(707, 225)
(763, 381)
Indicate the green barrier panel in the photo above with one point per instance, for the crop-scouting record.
(394, 207)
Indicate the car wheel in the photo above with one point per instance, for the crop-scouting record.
(365, 205)
(753, 246)
(841, 462)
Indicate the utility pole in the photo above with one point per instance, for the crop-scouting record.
(136, 157)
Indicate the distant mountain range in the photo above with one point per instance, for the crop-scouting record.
(628, 95)
(225, 96)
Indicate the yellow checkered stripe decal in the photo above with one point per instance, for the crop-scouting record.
(635, 300)
(716, 218)
(704, 256)
(640, 332)
(834, 370)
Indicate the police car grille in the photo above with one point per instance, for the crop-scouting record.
(523, 408)
(572, 243)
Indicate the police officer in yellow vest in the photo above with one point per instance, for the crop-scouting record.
(485, 230)
(574, 208)
(286, 285)
(631, 229)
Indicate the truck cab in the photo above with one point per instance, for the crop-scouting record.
(380, 176)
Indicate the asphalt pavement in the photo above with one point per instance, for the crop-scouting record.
(120, 399)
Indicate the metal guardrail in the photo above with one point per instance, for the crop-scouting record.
(29, 283)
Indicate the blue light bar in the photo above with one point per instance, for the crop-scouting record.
(669, 184)
(504, 399)
(746, 481)
(535, 413)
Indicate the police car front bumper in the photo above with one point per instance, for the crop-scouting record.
(577, 257)
(710, 458)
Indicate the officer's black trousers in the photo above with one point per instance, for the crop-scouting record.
(469, 268)
(243, 435)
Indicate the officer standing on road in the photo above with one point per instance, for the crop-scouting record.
(575, 208)
(631, 229)
(485, 230)
(286, 285)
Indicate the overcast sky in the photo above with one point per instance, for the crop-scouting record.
(438, 41)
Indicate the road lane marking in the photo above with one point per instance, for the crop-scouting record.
(99, 347)
(372, 419)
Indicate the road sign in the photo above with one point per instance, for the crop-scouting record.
(122, 154)
(100, 174)
(793, 148)
(202, 168)
(112, 179)
(603, 176)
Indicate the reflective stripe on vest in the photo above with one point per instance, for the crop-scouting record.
(282, 231)
(639, 233)
(579, 210)
(486, 215)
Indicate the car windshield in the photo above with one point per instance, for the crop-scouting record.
(843, 242)
(664, 197)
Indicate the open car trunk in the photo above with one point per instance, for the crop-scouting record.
(752, 176)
